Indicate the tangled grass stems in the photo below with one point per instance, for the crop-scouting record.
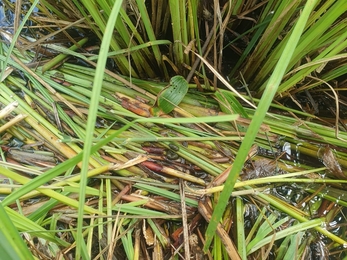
(124, 132)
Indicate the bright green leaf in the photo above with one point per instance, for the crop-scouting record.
(172, 95)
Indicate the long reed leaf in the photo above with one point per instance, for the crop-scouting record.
(80, 244)
(263, 106)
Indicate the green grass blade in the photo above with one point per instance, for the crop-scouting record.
(267, 227)
(99, 19)
(50, 193)
(23, 224)
(229, 104)
(127, 242)
(177, 8)
(250, 46)
(292, 251)
(149, 30)
(165, 193)
(283, 12)
(309, 40)
(240, 224)
(286, 232)
(299, 217)
(133, 48)
(59, 58)
(283, 249)
(94, 102)
(136, 210)
(12, 245)
(260, 113)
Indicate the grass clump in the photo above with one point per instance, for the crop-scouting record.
(171, 139)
